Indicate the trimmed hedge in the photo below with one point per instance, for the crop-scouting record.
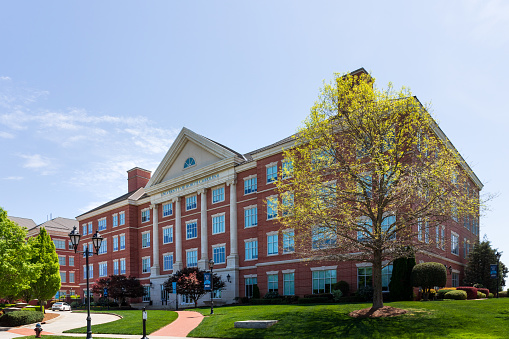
(480, 295)
(441, 292)
(456, 295)
(491, 295)
(503, 294)
(18, 318)
(328, 296)
(317, 300)
(485, 291)
(471, 291)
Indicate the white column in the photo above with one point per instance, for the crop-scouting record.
(178, 237)
(232, 261)
(204, 258)
(154, 270)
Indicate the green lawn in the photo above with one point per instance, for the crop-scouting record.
(131, 322)
(432, 319)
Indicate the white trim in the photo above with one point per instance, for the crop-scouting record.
(272, 164)
(219, 245)
(324, 268)
(250, 239)
(272, 233)
(272, 272)
(288, 271)
(250, 276)
(250, 206)
(218, 214)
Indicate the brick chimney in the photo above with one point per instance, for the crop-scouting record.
(136, 178)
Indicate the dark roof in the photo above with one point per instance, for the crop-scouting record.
(277, 143)
(114, 201)
(59, 223)
(23, 222)
(225, 147)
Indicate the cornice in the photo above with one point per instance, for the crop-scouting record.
(274, 150)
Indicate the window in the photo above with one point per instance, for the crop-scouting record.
(71, 277)
(249, 283)
(271, 244)
(59, 244)
(165, 295)
(192, 258)
(84, 272)
(191, 203)
(145, 215)
(288, 241)
(216, 294)
(464, 247)
(386, 277)
(364, 276)
(323, 281)
(437, 236)
(218, 195)
(145, 265)
(101, 224)
(115, 267)
(251, 249)
(91, 270)
(272, 283)
(115, 243)
(122, 218)
(122, 266)
(366, 186)
(419, 229)
(84, 229)
(271, 208)
(186, 299)
(386, 227)
(90, 228)
(167, 209)
(250, 216)
(61, 260)
(103, 269)
(365, 227)
(466, 222)
(191, 230)
(288, 283)
(146, 296)
(219, 254)
(426, 232)
(322, 237)
(218, 224)
(85, 248)
(145, 239)
(91, 248)
(71, 261)
(167, 235)
(104, 247)
(455, 279)
(287, 169)
(250, 185)
(167, 261)
(62, 277)
(287, 202)
(271, 173)
(115, 220)
(189, 163)
(122, 241)
(455, 243)
(442, 240)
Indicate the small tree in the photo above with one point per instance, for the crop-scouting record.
(428, 275)
(119, 287)
(190, 283)
(401, 280)
(478, 268)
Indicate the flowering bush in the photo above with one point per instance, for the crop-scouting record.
(485, 291)
(441, 292)
(471, 291)
(480, 295)
(457, 295)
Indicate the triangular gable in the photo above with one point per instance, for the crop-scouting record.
(188, 144)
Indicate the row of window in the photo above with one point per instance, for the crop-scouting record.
(118, 219)
(119, 267)
(63, 277)
(62, 260)
(118, 244)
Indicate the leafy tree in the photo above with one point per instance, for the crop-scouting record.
(367, 168)
(478, 268)
(119, 287)
(16, 269)
(44, 254)
(401, 280)
(190, 282)
(428, 275)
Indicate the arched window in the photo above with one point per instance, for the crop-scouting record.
(189, 162)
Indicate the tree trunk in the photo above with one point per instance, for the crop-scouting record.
(377, 280)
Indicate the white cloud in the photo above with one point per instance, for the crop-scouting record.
(6, 135)
(5, 78)
(13, 178)
(43, 165)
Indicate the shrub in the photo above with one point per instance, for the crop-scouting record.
(328, 296)
(427, 275)
(342, 286)
(18, 318)
(456, 295)
(365, 293)
(337, 295)
(483, 290)
(272, 295)
(400, 285)
(502, 294)
(490, 295)
(441, 292)
(290, 299)
(256, 292)
(480, 295)
(471, 291)
(316, 300)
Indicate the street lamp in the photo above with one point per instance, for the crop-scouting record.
(498, 254)
(96, 241)
(211, 266)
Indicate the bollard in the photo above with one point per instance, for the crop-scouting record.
(144, 316)
(38, 330)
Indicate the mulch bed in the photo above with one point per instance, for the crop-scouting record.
(49, 316)
(386, 311)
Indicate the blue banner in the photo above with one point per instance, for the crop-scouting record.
(174, 287)
(105, 292)
(207, 282)
(493, 271)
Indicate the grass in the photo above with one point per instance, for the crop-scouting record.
(432, 319)
(131, 322)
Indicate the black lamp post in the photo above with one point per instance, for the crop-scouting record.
(211, 266)
(498, 254)
(96, 241)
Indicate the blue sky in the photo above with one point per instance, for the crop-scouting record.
(89, 90)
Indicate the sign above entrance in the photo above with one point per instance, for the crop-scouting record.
(191, 184)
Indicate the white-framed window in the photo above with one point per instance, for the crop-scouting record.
(186, 299)
(115, 243)
(216, 294)
(145, 239)
(191, 229)
(272, 243)
(122, 266)
(71, 261)
(251, 249)
(167, 209)
(62, 277)
(437, 236)
(250, 216)
(464, 247)
(271, 172)
(90, 230)
(387, 222)
(165, 295)
(323, 281)
(250, 185)
(103, 269)
(287, 202)
(59, 244)
(121, 216)
(191, 202)
(122, 241)
(104, 247)
(218, 194)
(167, 261)
(61, 260)
(442, 238)
(91, 270)
(218, 223)
(455, 279)
(192, 257)
(91, 248)
(249, 283)
(145, 265)
(146, 296)
(272, 283)
(85, 248)
(271, 207)
(145, 215)
(168, 235)
(190, 162)
(386, 277)
(322, 237)
(101, 224)
(364, 276)
(419, 229)
(455, 243)
(287, 169)
(365, 226)
(115, 220)
(115, 267)
(289, 283)
(84, 231)
(288, 241)
(84, 272)
(71, 277)
(219, 253)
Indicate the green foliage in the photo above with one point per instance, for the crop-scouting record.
(503, 294)
(441, 292)
(365, 292)
(343, 286)
(256, 292)
(18, 318)
(272, 295)
(400, 286)
(315, 300)
(119, 287)
(491, 295)
(478, 268)
(337, 295)
(428, 275)
(480, 295)
(456, 295)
